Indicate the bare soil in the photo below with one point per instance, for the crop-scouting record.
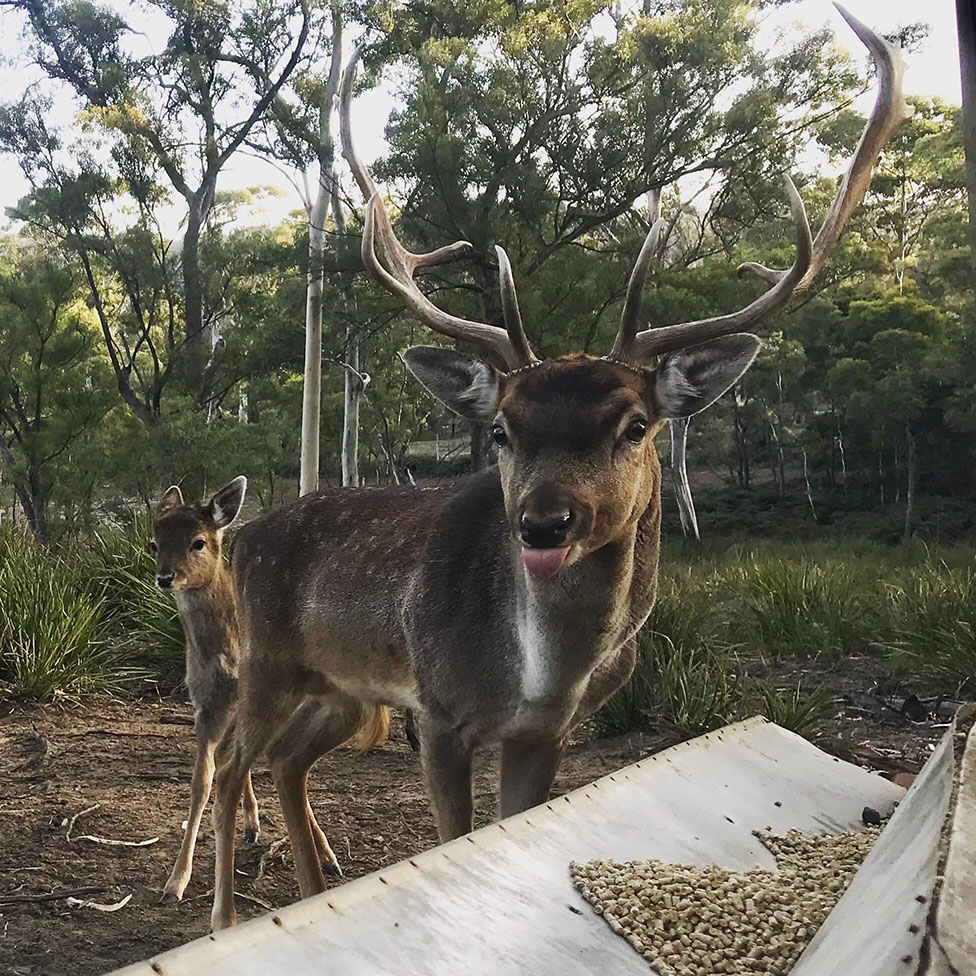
(135, 762)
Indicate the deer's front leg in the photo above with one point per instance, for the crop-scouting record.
(199, 794)
(447, 767)
(528, 769)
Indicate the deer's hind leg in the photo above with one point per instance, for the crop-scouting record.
(315, 728)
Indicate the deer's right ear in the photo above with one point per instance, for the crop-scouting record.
(172, 498)
(463, 383)
(225, 505)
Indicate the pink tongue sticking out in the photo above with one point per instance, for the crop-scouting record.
(543, 563)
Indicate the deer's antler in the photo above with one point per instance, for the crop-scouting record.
(889, 112)
(394, 266)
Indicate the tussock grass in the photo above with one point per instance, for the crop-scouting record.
(934, 640)
(53, 625)
(144, 621)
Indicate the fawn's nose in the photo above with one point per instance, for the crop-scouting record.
(164, 580)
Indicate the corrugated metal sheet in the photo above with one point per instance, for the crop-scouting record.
(500, 901)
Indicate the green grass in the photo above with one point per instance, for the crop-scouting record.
(143, 620)
(934, 640)
(54, 633)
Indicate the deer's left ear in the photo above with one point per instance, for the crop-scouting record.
(225, 505)
(464, 383)
(691, 379)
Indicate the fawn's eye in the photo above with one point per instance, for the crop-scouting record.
(152, 546)
(199, 544)
(636, 430)
(498, 435)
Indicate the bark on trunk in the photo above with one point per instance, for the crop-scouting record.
(318, 212)
(195, 353)
(966, 26)
(312, 386)
(350, 413)
(912, 464)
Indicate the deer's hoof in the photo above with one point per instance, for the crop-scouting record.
(171, 894)
(251, 835)
(331, 869)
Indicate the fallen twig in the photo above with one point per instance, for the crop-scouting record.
(111, 842)
(175, 719)
(78, 903)
(71, 822)
(257, 901)
(50, 895)
(267, 855)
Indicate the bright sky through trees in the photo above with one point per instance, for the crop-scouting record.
(933, 70)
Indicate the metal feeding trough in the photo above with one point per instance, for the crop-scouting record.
(500, 900)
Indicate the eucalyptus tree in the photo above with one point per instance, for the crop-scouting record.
(182, 110)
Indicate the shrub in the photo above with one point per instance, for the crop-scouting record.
(143, 620)
(934, 640)
(53, 633)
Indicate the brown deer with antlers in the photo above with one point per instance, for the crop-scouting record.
(503, 609)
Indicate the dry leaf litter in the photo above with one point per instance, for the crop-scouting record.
(702, 921)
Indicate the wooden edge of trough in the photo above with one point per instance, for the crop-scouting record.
(949, 948)
(908, 912)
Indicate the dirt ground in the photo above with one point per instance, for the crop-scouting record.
(134, 760)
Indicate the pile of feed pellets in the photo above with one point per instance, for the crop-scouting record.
(701, 921)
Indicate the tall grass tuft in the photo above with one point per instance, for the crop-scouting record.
(143, 619)
(934, 642)
(798, 607)
(682, 673)
(52, 625)
(806, 713)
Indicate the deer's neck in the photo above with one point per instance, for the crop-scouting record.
(569, 623)
(209, 618)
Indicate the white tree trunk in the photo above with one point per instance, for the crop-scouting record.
(353, 388)
(312, 388)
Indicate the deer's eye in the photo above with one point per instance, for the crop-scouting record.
(199, 544)
(152, 546)
(636, 430)
(498, 435)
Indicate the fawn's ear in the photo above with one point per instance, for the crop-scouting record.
(172, 498)
(225, 505)
(691, 379)
(462, 383)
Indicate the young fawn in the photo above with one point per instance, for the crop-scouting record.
(187, 540)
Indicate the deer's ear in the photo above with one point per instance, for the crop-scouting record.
(225, 505)
(691, 379)
(463, 383)
(172, 498)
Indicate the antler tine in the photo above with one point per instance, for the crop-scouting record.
(394, 266)
(890, 111)
(359, 171)
(400, 282)
(630, 316)
(510, 309)
(654, 342)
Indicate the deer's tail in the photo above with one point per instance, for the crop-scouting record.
(374, 728)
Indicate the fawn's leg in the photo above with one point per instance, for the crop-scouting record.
(199, 794)
(252, 823)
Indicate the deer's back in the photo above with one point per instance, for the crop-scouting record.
(321, 584)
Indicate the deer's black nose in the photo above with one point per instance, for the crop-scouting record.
(546, 530)
(164, 580)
